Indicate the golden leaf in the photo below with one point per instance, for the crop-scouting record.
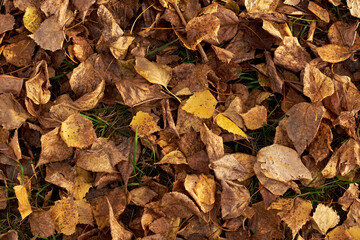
(144, 123)
(23, 200)
(333, 53)
(32, 19)
(153, 72)
(201, 104)
(228, 125)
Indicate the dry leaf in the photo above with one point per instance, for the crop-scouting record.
(7, 22)
(223, 55)
(175, 204)
(262, 6)
(82, 184)
(23, 201)
(214, 143)
(338, 233)
(12, 114)
(201, 104)
(276, 80)
(305, 117)
(65, 216)
(3, 196)
(10, 235)
(255, 117)
(10, 84)
(49, 35)
(144, 124)
(350, 195)
(291, 55)
(41, 224)
(32, 19)
(202, 189)
(77, 131)
(225, 123)
(277, 30)
(174, 157)
(324, 218)
(111, 31)
(118, 231)
(241, 49)
(62, 175)
(83, 5)
(319, 12)
(153, 72)
(19, 53)
(142, 195)
(333, 53)
(317, 85)
(234, 199)
(53, 148)
(354, 7)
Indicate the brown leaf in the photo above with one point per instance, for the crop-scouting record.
(320, 147)
(214, 143)
(175, 204)
(85, 212)
(19, 53)
(223, 55)
(354, 8)
(198, 226)
(10, 235)
(140, 196)
(279, 31)
(83, 5)
(12, 114)
(319, 12)
(306, 117)
(201, 28)
(77, 131)
(173, 157)
(350, 195)
(333, 53)
(118, 231)
(23, 201)
(41, 224)
(65, 216)
(255, 117)
(3, 196)
(53, 148)
(153, 72)
(111, 31)
(276, 80)
(234, 199)
(324, 218)
(341, 33)
(241, 49)
(317, 85)
(202, 189)
(291, 55)
(37, 87)
(263, 6)
(49, 35)
(62, 175)
(7, 22)
(10, 84)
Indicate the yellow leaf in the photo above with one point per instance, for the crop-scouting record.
(145, 123)
(23, 200)
(65, 215)
(229, 125)
(355, 232)
(82, 184)
(32, 19)
(333, 53)
(153, 72)
(201, 104)
(174, 157)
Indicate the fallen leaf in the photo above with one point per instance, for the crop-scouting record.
(82, 184)
(153, 72)
(333, 53)
(118, 231)
(307, 117)
(83, 5)
(320, 147)
(280, 164)
(241, 49)
(202, 189)
(10, 84)
(255, 117)
(62, 175)
(41, 224)
(3, 196)
(84, 211)
(234, 199)
(276, 80)
(49, 35)
(175, 204)
(350, 195)
(111, 31)
(338, 233)
(77, 131)
(291, 55)
(174, 157)
(324, 218)
(144, 124)
(12, 114)
(23, 201)
(225, 123)
(10, 235)
(354, 232)
(223, 55)
(263, 6)
(317, 85)
(65, 216)
(198, 226)
(201, 104)
(32, 19)
(279, 31)
(214, 143)
(19, 53)
(354, 7)
(140, 196)
(7, 22)
(319, 12)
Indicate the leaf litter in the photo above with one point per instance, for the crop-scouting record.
(179, 119)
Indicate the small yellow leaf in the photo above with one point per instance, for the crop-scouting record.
(229, 125)
(201, 104)
(153, 72)
(333, 53)
(23, 200)
(145, 123)
(32, 19)
(65, 215)
(174, 157)
(82, 184)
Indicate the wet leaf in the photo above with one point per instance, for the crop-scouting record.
(153, 72)
(23, 201)
(77, 131)
(333, 53)
(317, 85)
(201, 104)
(144, 124)
(324, 218)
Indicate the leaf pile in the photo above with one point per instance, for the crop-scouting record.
(179, 119)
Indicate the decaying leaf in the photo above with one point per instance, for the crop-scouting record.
(77, 131)
(41, 224)
(12, 114)
(306, 117)
(144, 124)
(324, 218)
(23, 201)
(153, 72)
(65, 216)
(118, 231)
(333, 53)
(19, 53)
(234, 199)
(317, 85)
(201, 104)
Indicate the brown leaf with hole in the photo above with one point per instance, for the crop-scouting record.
(49, 35)
(65, 216)
(53, 148)
(41, 224)
(306, 117)
(214, 143)
(201, 28)
(202, 189)
(153, 72)
(23, 201)
(291, 55)
(317, 85)
(333, 53)
(10, 84)
(118, 231)
(324, 218)
(19, 53)
(12, 114)
(37, 87)
(7, 22)
(255, 117)
(77, 131)
(235, 198)
(62, 175)
(319, 12)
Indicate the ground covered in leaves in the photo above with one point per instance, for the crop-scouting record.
(179, 119)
